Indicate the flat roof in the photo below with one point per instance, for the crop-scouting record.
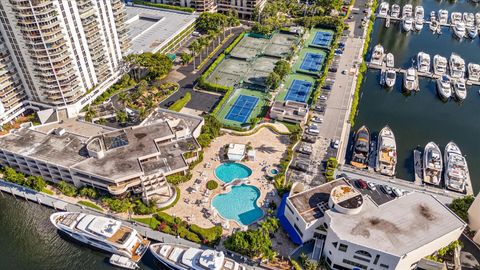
(396, 227)
(151, 28)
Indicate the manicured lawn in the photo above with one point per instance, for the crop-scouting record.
(150, 221)
(91, 205)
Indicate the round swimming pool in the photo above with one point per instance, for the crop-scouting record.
(227, 172)
(274, 171)
(240, 204)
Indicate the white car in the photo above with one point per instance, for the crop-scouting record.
(371, 186)
(336, 144)
(397, 192)
(317, 119)
(323, 97)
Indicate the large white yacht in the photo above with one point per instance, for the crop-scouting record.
(419, 17)
(456, 172)
(473, 72)
(101, 232)
(407, 24)
(377, 55)
(180, 257)
(457, 66)
(384, 8)
(410, 80)
(423, 62)
(456, 17)
(469, 19)
(390, 77)
(432, 164)
(459, 30)
(418, 24)
(387, 152)
(395, 13)
(443, 16)
(444, 87)
(477, 19)
(407, 10)
(460, 89)
(439, 64)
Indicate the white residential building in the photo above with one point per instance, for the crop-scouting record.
(62, 49)
(354, 231)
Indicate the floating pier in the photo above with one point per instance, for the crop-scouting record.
(399, 19)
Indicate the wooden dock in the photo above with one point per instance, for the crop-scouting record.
(399, 19)
(417, 165)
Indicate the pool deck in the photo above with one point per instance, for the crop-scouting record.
(269, 148)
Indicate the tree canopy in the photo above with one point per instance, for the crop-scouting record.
(460, 206)
(273, 80)
(282, 68)
(152, 65)
(215, 21)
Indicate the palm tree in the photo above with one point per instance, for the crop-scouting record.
(194, 48)
(212, 35)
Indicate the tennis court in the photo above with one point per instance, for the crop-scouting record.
(323, 39)
(242, 108)
(299, 91)
(312, 62)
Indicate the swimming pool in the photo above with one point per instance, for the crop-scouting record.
(240, 204)
(227, 172)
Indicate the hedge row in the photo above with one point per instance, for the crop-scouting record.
(234, 43)
(179, 104)
(202, 81)
(222, 101)
(164, 6)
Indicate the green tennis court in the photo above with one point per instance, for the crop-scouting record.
(242, 106)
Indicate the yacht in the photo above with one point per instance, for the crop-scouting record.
(101, 232)
(469, 19)
(395, 13)
(390, 77)
(474, 72)
(410, 80)
(384, 7)
(433, 16)
(407, 10)
(418, 24)
(459, 30)
(419, 12)
(444, 87)
(460, 89)
(457, 66)
(390, 60)
(455, 18)
(456, 174)
(361, 148)
(423, 62)
(180, 257)
(435, 27)
(477, 19)
(377, 55)
(407, 24)
(432, 164)
(443, 16)
(387, 152)
(472, 32)
(439, 65)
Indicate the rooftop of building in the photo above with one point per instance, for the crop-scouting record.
(151, 28)
(76, 126)
(162, 115)
(396, 227)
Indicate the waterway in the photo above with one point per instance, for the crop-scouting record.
(423, 117)
(29, 241)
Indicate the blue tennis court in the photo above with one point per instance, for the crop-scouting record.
(242, 108)
(322, 39)
(312, 62)
(298, 90)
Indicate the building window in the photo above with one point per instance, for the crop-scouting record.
(335, 244)
(354, 264)
(384, 266)
(329, 262)
(343, 247)
(361, 258)
(376, 259)
(298, 229)
(363, 253)
(289, 208)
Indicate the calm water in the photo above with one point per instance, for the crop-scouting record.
(29, 241)
(423, 117)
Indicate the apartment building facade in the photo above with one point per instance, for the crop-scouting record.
(63, 49)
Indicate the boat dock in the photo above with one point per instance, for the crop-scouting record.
(417, 163)
(399, 19)
(429, 75)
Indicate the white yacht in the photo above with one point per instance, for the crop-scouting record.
(180, 257)
(390, 60)
(407, 10)
(377, 55)
(387, 152)
(423, 62)
(395, 13)
(419, 12)
(390, 77)
(407, 24)
(456, 173)
(469, 19)
(472, 32)
(473, 72)
(443, 16)
(418, 24)
(460, 89)
(477, 19)
(433, 16)
(435, 27)
(439, 65)
(459, 30)
(444, 87)
(455, 18)
(457, 66)
(432, 164)
(384, 8)
(410, 80)
(101, 232)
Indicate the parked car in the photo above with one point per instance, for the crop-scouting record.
(398, 192)
(387, 190)
(170, 103)
(322, 97)
(327, 87)
(332, 69)
(309, 139)
(371, 186)
(361, 184)
(319, 108)
(335, 144)
(317, 119)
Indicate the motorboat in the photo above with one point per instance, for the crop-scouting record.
(361, 148)
(432, 164)
(443, 16)
(456, 174)
(439, 65)
(472, 32)
(457, 66)
(181, 257)
(423, 62)
(395, 12)
(456, 17)
(473, 72)
(460, 89)
(390, 60)
(418, 24)
(444, 87)
(103, 233)
(390, 78)
(377, 55)
(477, 19)
(407, 10)
(407, 24)
(386, 153)
(410, 80)
(433, 16)
(384, 8)
(419, 13)
(435, 27)
(469, 19)
(123, 262)
(459, 30)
